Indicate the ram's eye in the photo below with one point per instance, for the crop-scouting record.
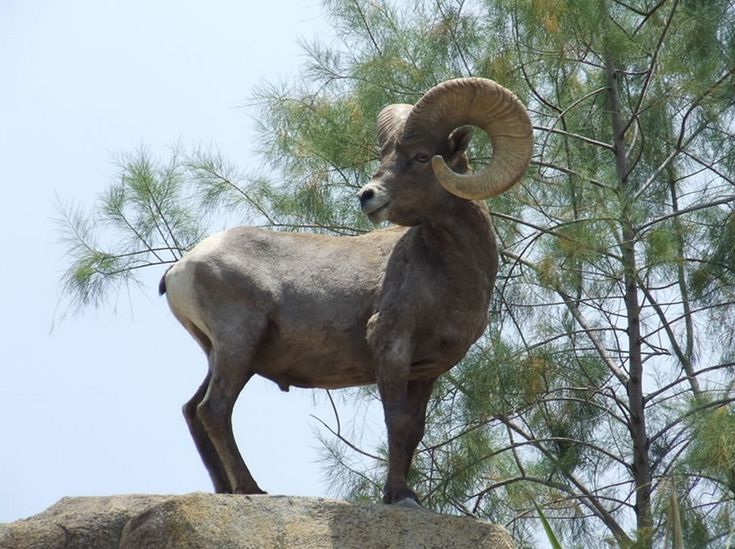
(422, 157)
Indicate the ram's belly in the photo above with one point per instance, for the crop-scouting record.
(315, 355)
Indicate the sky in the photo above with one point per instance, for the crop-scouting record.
(91, 404)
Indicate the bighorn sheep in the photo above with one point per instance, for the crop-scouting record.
(397, 306)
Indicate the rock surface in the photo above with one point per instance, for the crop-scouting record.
(216, 520)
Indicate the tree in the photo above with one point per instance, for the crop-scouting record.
(603, 390)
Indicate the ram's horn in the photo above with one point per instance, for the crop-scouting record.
(483, 103)
(390, 120)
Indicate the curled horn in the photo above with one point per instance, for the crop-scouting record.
(391, 120)
(483, 103)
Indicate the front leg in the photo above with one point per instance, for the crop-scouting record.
(394, 361)
(418, 394)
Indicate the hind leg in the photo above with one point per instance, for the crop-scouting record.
(230, 370)
(203, 442)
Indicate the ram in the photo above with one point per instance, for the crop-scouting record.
(397, 306)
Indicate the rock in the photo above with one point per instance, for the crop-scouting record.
(219, 520)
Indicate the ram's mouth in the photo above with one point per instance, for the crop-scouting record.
(378, 213)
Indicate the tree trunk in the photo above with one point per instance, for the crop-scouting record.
(637, 422)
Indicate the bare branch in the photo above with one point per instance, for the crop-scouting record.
(651, 67)
(583, 138)
(347, 442)
(725, 200)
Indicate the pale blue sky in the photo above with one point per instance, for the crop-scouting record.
(92, 406)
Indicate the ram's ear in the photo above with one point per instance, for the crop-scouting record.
(459, 140)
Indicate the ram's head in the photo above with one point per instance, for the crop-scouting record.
(422, 151)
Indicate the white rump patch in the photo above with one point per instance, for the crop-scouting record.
(181, 283)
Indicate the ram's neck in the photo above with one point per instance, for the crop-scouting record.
(464, 238)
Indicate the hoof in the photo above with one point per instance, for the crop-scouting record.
(408, 503)
(250, 492)
(404, 497)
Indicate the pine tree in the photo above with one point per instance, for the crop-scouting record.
(603, 390)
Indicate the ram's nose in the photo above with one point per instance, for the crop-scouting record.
(374, 201)
(364, 195)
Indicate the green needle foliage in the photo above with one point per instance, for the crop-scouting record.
(143, 219)
(603, 390)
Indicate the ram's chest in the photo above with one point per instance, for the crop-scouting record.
(438, 324)
(451, 329)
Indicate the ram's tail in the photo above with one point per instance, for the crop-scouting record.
(162, 284)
